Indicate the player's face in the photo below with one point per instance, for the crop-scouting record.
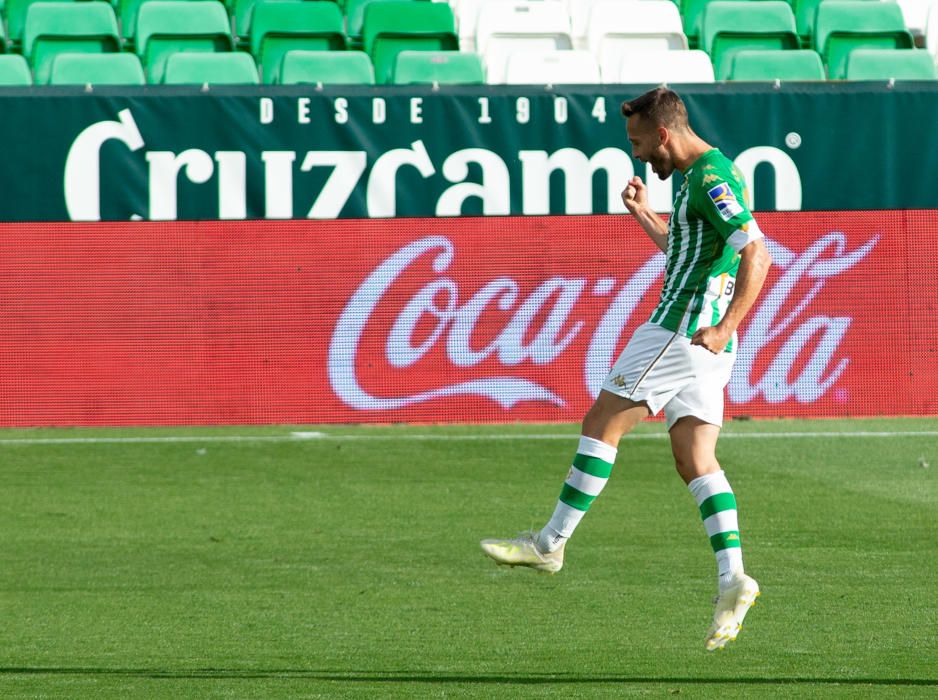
(648, 145)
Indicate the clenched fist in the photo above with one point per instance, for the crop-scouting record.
(635, 195)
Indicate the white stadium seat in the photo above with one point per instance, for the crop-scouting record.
(505, 27)
(656, 67)
(915, 14)
(466, 13)
(580, 11)
(552, 67)
(617, 27)
(931, 31)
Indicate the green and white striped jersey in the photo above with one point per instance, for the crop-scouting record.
(710, 222)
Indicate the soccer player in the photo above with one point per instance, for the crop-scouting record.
(680, 359)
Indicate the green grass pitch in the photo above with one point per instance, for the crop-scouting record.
(194, 564)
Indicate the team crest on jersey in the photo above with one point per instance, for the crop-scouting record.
(710, 177)
(725, 201)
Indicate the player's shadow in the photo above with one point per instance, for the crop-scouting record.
(434, 678)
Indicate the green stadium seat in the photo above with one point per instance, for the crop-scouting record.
(355, 18)
(241, 11)
(278, 27)
(168, 27)
(96, 69)
(692, 12)
(14, 71)
(230, 68)
(443, 67)
(392, 27)
(16, 17)
(886, 64)
(799, 64)
(53, 28)
(127, 12)
(327, 67)
(805, 17)
(846, 25)
(729, 27)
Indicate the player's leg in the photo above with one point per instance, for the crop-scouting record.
(610, 418)
(605, 423)
(632, 390)
(693, 442)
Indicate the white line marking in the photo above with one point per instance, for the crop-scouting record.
(297, 436)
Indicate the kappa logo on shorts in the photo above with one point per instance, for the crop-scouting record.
(725, 201)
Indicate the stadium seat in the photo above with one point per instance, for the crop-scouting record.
(167, 27)
(355, 18)
(634, 25)
(229, 68)
(326, 67)
(580, 21)
(278, 27)
(506, 27)
(14, 71)
(806, 19)
(53, 28)
(442, 67)
(728, 27)
(241, 12)
(755, 65)
(931, 31)
(886, 64)
(845, 25)
(392, 27)
(654, 67)
(552, 67)
(127, 12)
(915, 15)
(96, 69)
(4, 45)
(692, 13)
(466, 13)
(15, 12)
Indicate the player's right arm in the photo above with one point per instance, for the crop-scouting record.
(635, 198)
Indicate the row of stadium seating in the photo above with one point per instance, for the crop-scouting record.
(518, 41)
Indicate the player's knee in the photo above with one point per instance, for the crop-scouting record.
(691, 469)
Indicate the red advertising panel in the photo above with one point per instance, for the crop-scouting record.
(464, 320)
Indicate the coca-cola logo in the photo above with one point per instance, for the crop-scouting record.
(808, 342)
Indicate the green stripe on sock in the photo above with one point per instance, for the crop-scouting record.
(593, 466)
(717, 503)
(576, 498)
(725, 540)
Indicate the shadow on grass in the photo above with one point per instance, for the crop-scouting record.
(429, 677)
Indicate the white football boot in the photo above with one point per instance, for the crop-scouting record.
(523, 551)
(731, 608)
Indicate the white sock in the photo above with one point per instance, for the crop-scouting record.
(717, 505)
(585, 480)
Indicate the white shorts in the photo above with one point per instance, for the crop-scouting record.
(665, 371)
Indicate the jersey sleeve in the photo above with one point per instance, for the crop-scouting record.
(722, 202)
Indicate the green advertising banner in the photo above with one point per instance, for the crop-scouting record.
(302, 152)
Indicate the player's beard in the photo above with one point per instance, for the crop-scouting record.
(661, 166)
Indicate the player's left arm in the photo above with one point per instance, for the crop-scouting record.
(725, 206)
(753, 267)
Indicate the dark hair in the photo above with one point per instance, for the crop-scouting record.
(662, 106)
